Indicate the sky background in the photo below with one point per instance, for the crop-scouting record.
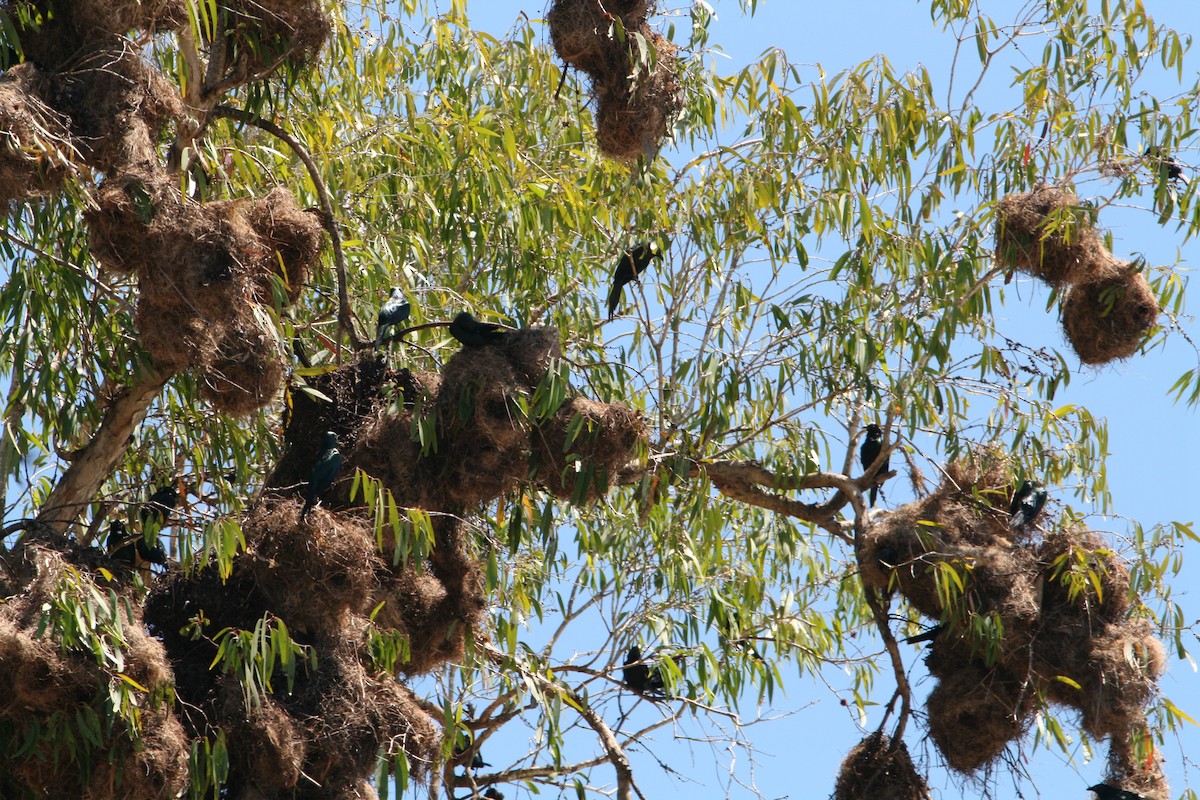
(1151, 473)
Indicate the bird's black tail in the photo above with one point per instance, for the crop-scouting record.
(614, 300)
(874, 494)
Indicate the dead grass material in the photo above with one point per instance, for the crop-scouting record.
(584, 469)
(262, 35)
(1108, 320)
(1134, 771)
(1058, 600)
(1049, 234)
(333, 556)
(69, 27)
(36, 151)
(632, 121)
(975, 713)
(878, 769)
(293, 238)
(118, 106)
(634, 115)
(247, 370)
(42, 681)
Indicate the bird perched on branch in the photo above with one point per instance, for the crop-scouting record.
(872, 446)
(927, 636)
(329, 464)
(635, 674)
(157, 510)
(133, 548)
(492, 793)
(632, 264)
(1174, 169)
(1026, 504)
(1106, 792)
(473, 333)
(393, 312)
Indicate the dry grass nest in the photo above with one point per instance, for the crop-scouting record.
(41, 681)
(633, 116)
(1061, 601)
(1108, 319)
(293, 239)
(118, 105)
(1049, 234)
(877, 769)
(73, 26)
(36, 153)
(262, 35)
(584, 469)
(248, 368)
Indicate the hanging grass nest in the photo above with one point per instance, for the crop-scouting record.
(118, 106)
(260, 36)
(878, 769)
(69, 27)
(632, 121)
(634, 72)
(1108, 319)
(1056, 605)
(247, 370)
(36, 153)
(324, 575)
(1137, 768)
(480, 443)
(973, 714)
(293, 239)
(43, 681)
(1049, 234)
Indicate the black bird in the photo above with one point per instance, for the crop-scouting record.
(473, 333)
(462, 745)
(157, 510)
(872, 446)
(1174, 169)
(636, 675)
(1106, 792)
(927, 636)
(393, 312)
(1026, 504)
(132, 548)
(328, 465)
(632, 264)
(492, 793)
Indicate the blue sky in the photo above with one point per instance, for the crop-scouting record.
(1152, 479)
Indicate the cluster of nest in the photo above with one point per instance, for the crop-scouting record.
(207, 274)
(1049, 234)
(611, 42)
(55, 701)
(483, 441)
(334, 580)
(325, 577)
(204, 270)
(879, 768)
(1040, 619)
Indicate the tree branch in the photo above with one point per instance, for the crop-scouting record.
(328, 221)
(615, 754)
(82, 480)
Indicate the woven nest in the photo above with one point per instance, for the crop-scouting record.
(974, 713)
(67, 28)
(293, 240)
(36, 153)
(632, 122)
(42, 682)
(1050, 235)
(1108, 320)
(247, 370)
(118, 106)
(634, 114)
(261, 35)
(584, 469)
(1058, 605)
(878, 770)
